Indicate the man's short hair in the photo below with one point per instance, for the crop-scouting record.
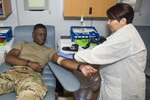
(119, 11)
(39, 26)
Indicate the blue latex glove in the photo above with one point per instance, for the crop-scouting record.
(69, 56)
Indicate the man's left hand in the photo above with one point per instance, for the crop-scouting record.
(88, 70)
(36, 67)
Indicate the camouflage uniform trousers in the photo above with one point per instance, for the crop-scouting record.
(27, 83)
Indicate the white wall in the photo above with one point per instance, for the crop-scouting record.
(54, 16)
(142, 18)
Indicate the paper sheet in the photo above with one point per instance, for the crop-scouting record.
(36, 3)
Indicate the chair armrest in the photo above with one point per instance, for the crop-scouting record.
(66, 78)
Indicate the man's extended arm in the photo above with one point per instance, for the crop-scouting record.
(87, 70)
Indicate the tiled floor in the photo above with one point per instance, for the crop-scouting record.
(65, 98)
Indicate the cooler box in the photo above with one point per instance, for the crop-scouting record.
(6, 33)
(82, 35)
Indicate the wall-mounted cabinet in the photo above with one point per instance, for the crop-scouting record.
(87, 8)
(5, 8)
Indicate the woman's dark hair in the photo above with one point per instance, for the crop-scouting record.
(39, 26)
(119, 11)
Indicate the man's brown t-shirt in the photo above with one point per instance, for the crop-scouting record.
(34, 52)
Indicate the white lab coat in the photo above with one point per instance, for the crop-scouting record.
(123, 59)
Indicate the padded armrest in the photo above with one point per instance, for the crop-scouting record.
(65, 77)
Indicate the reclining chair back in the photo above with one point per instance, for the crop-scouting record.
(24, 33)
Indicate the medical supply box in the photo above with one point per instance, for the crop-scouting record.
(6, 33)
(83, 34)
(2, 42)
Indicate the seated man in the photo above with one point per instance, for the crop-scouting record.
(28, 60)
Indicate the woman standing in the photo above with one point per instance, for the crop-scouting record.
(122, 57)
